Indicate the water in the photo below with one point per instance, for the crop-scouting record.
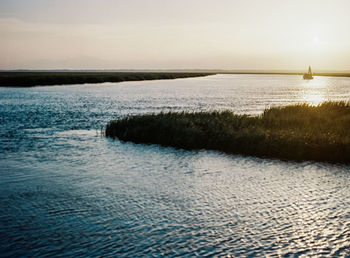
(65, 190)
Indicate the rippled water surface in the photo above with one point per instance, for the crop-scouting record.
(65, 190)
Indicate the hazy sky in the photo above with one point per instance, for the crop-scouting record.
(175, 34)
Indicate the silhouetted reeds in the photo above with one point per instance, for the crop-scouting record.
(298, 132)
(28, 79)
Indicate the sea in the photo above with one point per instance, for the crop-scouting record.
(68, 191)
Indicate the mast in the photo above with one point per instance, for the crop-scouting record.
(310, 70)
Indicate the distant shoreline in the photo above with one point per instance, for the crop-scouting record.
(32, 79)
(62, 77)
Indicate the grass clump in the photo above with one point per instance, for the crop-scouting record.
(298, 132)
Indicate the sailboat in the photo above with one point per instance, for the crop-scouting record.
(308, 75)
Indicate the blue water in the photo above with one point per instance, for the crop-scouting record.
(66, 190)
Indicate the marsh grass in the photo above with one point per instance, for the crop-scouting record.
(29, 79)
(297, 132)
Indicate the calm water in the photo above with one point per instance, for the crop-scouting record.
(65, 190)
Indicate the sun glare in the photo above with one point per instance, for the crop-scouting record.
(314, 92)
(316, 40)
(314, 99)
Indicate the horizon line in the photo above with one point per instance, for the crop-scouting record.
(179, 70)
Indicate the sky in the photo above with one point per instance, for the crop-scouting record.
(181, 34)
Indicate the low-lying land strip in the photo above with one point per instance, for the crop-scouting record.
(297, 132)
(29, 79)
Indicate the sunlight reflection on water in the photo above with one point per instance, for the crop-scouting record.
(318, 90)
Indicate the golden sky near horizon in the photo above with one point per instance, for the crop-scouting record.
(181, 34)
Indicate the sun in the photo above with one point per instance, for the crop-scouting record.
(316, 40)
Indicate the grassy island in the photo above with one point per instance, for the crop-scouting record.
(30, 79)
(297, 132)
